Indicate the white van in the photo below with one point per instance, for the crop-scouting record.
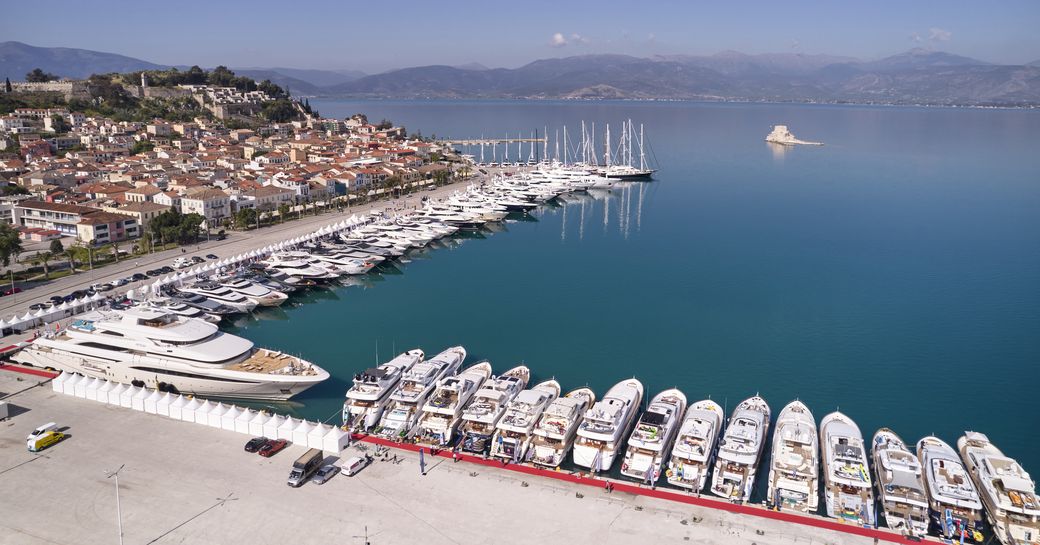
(181, 262)
(353, 465)
(50, 426)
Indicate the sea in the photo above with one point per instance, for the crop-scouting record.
(892, 274)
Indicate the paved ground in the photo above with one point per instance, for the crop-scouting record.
(176, 474)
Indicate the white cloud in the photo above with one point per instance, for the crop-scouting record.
(795, 44)
(651, 37)
(939, 35)
(578, 39)
(557, 40)
(916, 38)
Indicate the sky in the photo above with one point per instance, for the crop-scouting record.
(374, 36)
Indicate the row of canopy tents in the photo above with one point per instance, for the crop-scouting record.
(43, 316)
(208, 413)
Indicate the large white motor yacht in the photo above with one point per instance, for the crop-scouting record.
(158, 349)
(795, 465)
(556, 428)
(953, 503)
(487, 407)
(652, 437)
(695, 446)
(256, 293)
(369, 395)
(442, 412)
(606, 424)
(416, 385)
(900, 484)
(514, 433)
(847, 487)
(222, 295)
(1005, 488)
(740, 450)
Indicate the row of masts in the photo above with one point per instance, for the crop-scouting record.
(564, 151)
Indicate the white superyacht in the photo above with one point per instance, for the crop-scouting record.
(953, 503)
(487, 407)
(795, 464)
(900, 484)
(442, 412)
(515, 430)
(556, 428)
(158, 349)
(847, 487)
(652, 437)
(369, 395)
(606, 424)
(416, 385)
(1005, 488)
(740, 450)
(695, 447)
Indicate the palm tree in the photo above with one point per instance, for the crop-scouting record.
(44, 258)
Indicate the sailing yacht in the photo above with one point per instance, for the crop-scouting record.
(1005, 488)
(369, 395)
(652, 437)
(606, 424)
(695, 446)
(900, 484)
(795, 464)
(740, 450)
(158, 349)
(515, 431)
(846, 480)
(442, 412)
(556, 428)
(487, 407)
(953, 503)
(417, 383)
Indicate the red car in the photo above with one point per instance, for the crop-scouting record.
(271, 448)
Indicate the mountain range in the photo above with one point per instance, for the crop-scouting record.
(918, 76)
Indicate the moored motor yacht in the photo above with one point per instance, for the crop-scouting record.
(1007, 491)
(441, 414)
(261, 295)
(847, 488)
(694, 449)
(795, 464)
(605, 425)
(515, 430)
(416, 385)
(371, 390)
(954, 506)
(652, 437)
(740, 450)
(557, 427)
(900, 486)
(487, 407)
(222, 295)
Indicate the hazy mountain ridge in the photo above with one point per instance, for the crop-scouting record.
(918, 76)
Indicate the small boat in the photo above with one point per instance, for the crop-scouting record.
(795, 464)
(694, 450)
(740, 450)
(846, 480)
(652, 437)
(900, 484)
(1005, 488)
(556, 428)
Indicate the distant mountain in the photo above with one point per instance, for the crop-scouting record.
(1034, 63)
(918, 58)
(316, 78)
(17, 59)
(472, 66)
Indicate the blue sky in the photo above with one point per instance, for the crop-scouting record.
(380, 35)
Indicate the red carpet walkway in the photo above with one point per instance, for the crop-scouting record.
(621, 486)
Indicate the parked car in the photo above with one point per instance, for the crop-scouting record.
(102, 287)
(166, 269)
(353, 465)
(325, 473)
(256, 443)
(153, 272)
(122, 282)
(57, 299)
(196, 259)
(122, 304)
(211, 256)
(137, 277)
(271, 448)
(38, 306)
(79, 294)
(12, 291)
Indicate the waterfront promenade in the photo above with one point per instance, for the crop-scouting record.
(185, 483)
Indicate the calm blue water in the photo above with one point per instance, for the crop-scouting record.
(894, 272)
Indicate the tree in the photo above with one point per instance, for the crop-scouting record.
(7, 85)
(142, 146)
(59, 124)
(39, 76)
(57, 248)
(283, 210)
(44, 258)
(245, 218)
(279, 111)
(10, 244)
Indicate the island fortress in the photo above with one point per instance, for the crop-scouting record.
(782, 135)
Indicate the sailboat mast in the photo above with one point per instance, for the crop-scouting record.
(606, 147)
(557, 154)
(565, 145)
(642, 154)
(584, 144)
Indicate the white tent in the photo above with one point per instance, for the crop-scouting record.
(299, 433)
(202, 412)
(91, 388)
(335, 441)
(213, 419)
(189, 409)
(162, 406)
(286, 429)
(256, 424)
(176, 408)
(227, 420)
(68, 387)
(272, 424)
(59, 381)
(127, 396)
(152, 401)
(315, 438)
(137, 401)
(116, 394)
(104, 391)
(80, 388)
(245, 416)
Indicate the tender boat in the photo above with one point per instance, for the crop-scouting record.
(846, 479)
(1007, 491)
(694, 450)
(795, 464)
(442, 412)
(372, 388)
(606, 424)
(487, 407)
(740, 450)
(416, 385)
(515, 430)
(900, 484)
(556, 428)
(652, 437)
